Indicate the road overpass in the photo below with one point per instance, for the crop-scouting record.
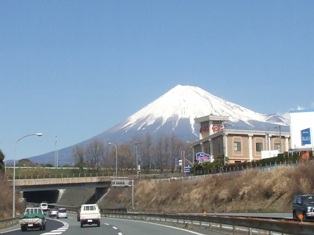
(62, 183)
(48, 189)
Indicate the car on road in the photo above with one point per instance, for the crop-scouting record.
(33, 217)
(44, 206)
(303, 207)
(90, 214)
(53, 212)
(62, 213)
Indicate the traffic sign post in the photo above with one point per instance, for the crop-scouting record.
(187, 169)
(183, 161)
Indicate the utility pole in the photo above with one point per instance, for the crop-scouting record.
(133, 194)
(183, 162)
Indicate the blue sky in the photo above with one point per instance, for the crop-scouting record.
(74, 68)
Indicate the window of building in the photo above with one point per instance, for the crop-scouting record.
(259, 147)
(237, 146)
(277, 146)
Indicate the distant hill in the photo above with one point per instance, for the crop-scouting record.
(174, 112)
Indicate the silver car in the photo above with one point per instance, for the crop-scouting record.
(62, 213)
(53, 212)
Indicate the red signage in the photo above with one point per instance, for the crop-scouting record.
(215, 128)
(204, 129)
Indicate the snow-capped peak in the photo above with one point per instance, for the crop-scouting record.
(191, 102)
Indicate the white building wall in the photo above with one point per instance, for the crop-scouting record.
(300, 120)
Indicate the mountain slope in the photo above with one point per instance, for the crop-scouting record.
(174, 112)
(190, 102)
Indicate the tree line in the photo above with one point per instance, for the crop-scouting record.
(161, 153)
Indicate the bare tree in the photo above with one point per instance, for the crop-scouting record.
(146, 153)
(177, 146)
(126, 158)
(95, 154)
(78, 156)
(163, 151)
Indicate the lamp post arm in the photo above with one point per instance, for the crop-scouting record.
(38, 134)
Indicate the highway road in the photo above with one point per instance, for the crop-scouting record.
(109, 226)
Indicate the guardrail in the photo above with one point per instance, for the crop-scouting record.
(4, 223)
(227, 224)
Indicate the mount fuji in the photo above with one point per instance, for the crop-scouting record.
(174, 113)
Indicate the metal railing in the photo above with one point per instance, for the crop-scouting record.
(227, 224)
(4, 223)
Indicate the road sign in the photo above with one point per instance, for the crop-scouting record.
(187, 169)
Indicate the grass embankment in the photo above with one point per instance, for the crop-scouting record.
(6, 202)
(248, 191)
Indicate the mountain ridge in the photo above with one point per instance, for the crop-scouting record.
(174, 113)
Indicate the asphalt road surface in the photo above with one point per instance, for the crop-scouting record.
(109, 226)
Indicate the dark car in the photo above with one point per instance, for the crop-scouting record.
(303, 207)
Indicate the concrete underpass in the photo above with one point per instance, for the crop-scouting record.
(72, 191)
(50, 196)
(54, 196)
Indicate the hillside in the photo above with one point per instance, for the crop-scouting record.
(249, 191)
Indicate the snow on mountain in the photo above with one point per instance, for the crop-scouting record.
(174, 112)
(190, 102)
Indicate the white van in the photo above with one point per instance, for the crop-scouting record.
(44, 206)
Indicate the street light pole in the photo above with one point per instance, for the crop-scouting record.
(56, 153)
(136, 158)
(13, 206)
(116, 158)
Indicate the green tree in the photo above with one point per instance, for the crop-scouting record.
(1, 160)
(25, 162)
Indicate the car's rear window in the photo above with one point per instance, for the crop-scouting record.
(89, 208)
(308, 199)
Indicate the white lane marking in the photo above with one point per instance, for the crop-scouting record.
(163, 225)
(52, 233)
(119, 233)
(59, 230)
